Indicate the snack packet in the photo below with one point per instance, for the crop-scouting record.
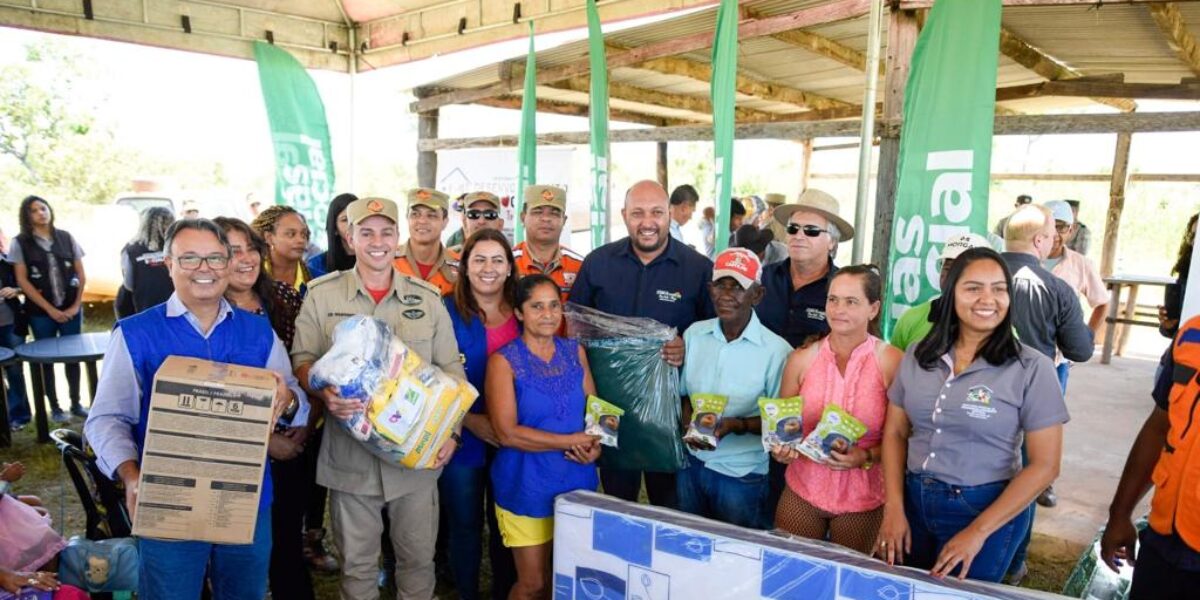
(602, 419)
(782, 420)
(837, 430)
(706, 417)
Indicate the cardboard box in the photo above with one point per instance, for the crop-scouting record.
(205, 452)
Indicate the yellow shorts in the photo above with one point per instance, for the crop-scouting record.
(519, 532)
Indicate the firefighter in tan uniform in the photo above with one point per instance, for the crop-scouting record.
(361, 485)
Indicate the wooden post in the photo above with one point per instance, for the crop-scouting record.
(427, 129)
(1116, 203)
(902, 36)
(662, 166)
(806, 149)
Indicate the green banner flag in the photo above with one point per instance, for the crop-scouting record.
(724, 81)
(598, 122)
(303, 153)
(527, 144)
(945, 146)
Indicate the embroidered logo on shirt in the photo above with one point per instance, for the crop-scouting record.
(815, 314)
(410, 300)
(569, 278)
(665, 296)
(413, 313)
(979, 403)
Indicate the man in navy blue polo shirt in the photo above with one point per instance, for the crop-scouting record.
(647, 274)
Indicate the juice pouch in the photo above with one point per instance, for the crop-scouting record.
(781, 422)
(837, 430)
(602, 419)
(706, 417)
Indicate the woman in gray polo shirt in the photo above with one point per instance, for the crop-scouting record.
(962, 401)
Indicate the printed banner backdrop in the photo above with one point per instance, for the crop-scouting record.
(724, 80)
(945, 147)
(598, 122)
(303, 153)
(527, 143)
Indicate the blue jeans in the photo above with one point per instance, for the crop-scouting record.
(937, 511)
(740, 501)
(18, 403)
(175, 570)
(1064, 371)
(44, 327)
(461, 492)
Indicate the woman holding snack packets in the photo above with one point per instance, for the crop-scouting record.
(958, 499)
(834, 486)
(481, 309)
(536, 389)
(729, 362)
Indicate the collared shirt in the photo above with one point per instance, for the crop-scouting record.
(967, 429)
(443, 274)
(300, 282)
(793, 314)
(1045, 310)
(743, 370)
(117, 408)
(676, 230)
(1079, 273)
(672, 289)
(563, 267)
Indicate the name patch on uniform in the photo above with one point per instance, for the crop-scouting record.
(413, 313)
(979, 403)
(410, 300)
(814, 314)
(665, 296)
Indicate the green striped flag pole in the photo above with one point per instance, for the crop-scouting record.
(598, 121)
(945, 146)
(527, 144)
(724, 78)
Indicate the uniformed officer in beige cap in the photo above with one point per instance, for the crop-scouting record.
(360, 484)
(544, 213)
(480, 210)
(424, 256)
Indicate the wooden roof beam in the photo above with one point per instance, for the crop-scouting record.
(571, 109)
(1102, 89)
(1172, 24)
(807, 17)
(817, 44)
(639, 95)
(1024, 54)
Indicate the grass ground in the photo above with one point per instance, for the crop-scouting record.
(1050, 559)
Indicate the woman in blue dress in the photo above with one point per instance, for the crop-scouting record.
(536, 390)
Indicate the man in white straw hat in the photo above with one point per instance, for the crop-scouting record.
(793, 306)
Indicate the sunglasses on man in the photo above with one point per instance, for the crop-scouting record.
(809, 230)
(487, 215)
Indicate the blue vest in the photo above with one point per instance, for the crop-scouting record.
(242, 338)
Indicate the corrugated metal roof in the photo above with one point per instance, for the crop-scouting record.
(1112, 39)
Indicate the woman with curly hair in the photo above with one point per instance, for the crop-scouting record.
(286, 234)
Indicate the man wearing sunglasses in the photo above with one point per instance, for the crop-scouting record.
(196, 321)
(481, 210)
(423, 256)
(544, 215)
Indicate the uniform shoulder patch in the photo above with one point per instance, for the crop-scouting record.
(421, 283)
(326, 278)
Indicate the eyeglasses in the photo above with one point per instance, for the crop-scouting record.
(487, 215)
(191, 262)
(809, 230)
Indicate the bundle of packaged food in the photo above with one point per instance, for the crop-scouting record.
(837, 431)
(782, 422)
(412, 407)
